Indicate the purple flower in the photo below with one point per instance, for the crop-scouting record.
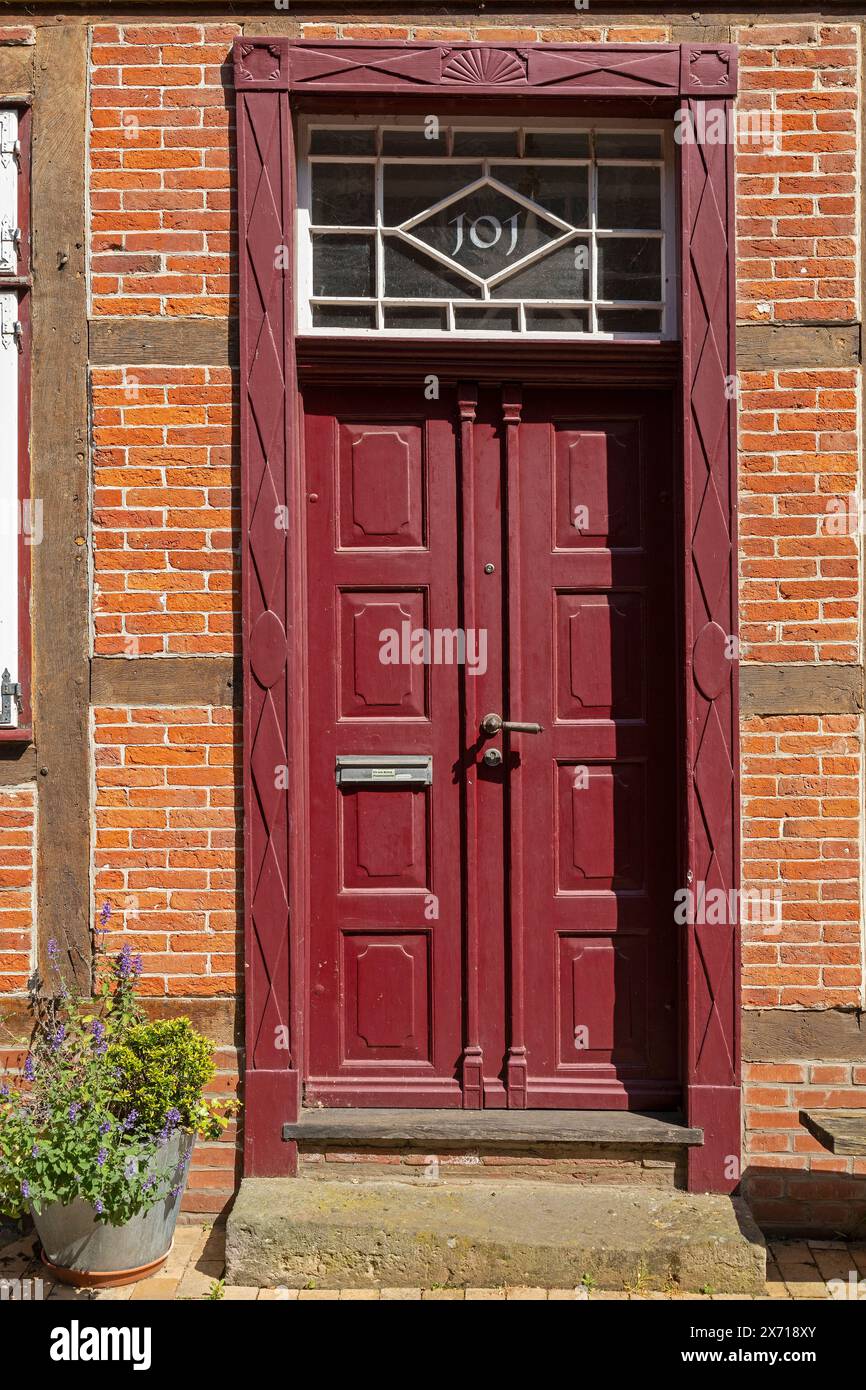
(53, 951)
(105, 1127)
(104, 914)
(100, 1043)
(34, 1152)
(29, 1069)
(128, 965)
(4, 1091)
(101, 1157)
(98, 1207)
(129, 1170)
(130, 1119)
(74, 1109)
(25, 1188)
(57, 1037)
(172, 1120)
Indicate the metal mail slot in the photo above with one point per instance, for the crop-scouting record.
(389, 770)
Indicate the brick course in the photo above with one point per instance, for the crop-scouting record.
(17, 862)
(165, 512)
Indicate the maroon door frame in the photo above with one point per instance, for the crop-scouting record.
(696, 83)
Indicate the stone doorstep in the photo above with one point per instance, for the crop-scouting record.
(465, 1145)
(449, 1128)
(294, 1232)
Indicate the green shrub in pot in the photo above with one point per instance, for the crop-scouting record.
(100, 1125)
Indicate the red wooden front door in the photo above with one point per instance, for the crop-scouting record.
(505, 935)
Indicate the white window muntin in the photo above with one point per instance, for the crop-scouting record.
(595, 233)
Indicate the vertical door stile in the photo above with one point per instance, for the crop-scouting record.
(516, 1063)
(473, 1061)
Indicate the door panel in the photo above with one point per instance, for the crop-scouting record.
(597, 666)
(505, 935)
(385, 879)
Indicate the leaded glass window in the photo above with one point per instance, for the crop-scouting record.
(421, 227)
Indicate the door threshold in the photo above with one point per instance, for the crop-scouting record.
(492, 1127)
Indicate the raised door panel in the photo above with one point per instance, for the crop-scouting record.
(385, 906)
(598, 664)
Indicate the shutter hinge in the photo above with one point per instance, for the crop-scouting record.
(10, 240)
(10, 145)
(9, 690)
(10, 324)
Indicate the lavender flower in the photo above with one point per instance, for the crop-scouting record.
(172, 1120)
(4, 1091)
(29, 1069)
(74, 1109)
(104, 914)
(128, 965)
(105, 1127)
(101, 1157)
(34, 1152)
(53, 951)
(98, 1207)
(25, 1188)
(100, 1043)
(57, 1037)
(130, 1120)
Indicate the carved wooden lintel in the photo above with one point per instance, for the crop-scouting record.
(531, 69)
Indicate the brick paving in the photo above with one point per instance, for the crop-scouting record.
(796, 1269)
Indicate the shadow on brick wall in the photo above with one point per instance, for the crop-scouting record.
(803, 1202)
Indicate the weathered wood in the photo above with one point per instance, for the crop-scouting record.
(214, 342)
(763, 346)
(173, 342)
(219, 1019)
(165, 680)
(408, 1127)
(840, 1131)
(16, 71)
(818, 689)
(59, 478)
(697, 30)
(788, 1035)
(17, 764)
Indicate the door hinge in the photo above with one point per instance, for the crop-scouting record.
(9, 690)
(10, 324)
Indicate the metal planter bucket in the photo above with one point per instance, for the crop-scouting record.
(80, 1249)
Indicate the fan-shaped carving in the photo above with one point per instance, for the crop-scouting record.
(485, 65)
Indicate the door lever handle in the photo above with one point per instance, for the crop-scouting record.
(494, 723)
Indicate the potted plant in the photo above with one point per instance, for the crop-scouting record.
(96, 1137)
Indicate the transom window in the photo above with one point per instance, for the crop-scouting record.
(421, 227)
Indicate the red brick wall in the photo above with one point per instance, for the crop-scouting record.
(167, 858)
(797, 201)
(164, 512)
(160, 184)
(800, 588)
(793, 1183)
(17, 863)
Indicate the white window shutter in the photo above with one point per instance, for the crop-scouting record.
(9, 233)
(10, 365)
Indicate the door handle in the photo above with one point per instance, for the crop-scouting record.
(494, 723)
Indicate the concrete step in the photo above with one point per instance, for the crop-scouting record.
(291, 1231)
